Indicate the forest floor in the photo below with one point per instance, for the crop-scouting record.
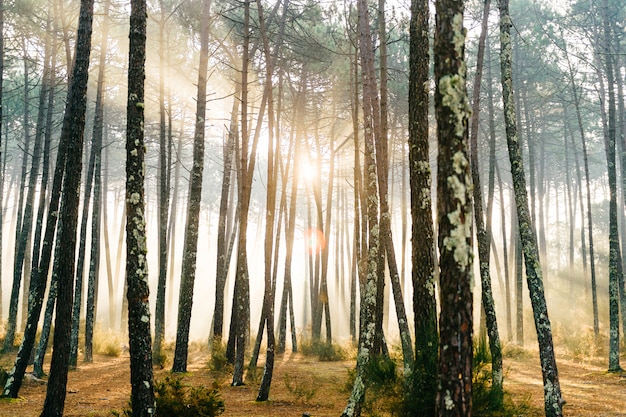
(303, 384)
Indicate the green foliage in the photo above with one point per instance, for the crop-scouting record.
(218, 361)
(173, 398)
(302, 389)
(326, 352)
(381, 372)
(486, 402)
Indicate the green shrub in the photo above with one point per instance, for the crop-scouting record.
(326, 352)
(218, 361)
(173, 398)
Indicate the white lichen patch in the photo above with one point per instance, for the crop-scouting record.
(459, 34)
(457, 241)
(448, 401)
(454, 96)
(134, 198)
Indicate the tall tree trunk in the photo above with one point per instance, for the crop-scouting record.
(188, 273)
(452, 111)
(241, 302)
(163, 198)
(21, 234)
(614, 249)
(382, 160)
(222, 237)
(72, 133)
(138, 293)
(422, 234)
(94, 256)
(80, 266)
(552, 390)
(482, 234)
(37, 281)
(367, 331)
(269, 296)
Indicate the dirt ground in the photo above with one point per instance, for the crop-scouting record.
(303, 384)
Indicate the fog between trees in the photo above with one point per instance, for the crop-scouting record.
(279, 177)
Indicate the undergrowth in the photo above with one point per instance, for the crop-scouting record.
(174, 398)
(326, 352)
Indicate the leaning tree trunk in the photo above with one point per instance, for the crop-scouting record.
(94, 257)
(80, 266)
(552, 390)
(482, 234)
(452, 110)
(138, 293)
(38, 280)
(382, 160)
(422, 234)
(73, 133)
(21, 233)
(188, 273)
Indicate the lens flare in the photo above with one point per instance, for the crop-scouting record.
(314, 240)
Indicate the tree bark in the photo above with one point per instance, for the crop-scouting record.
(72, 133)
(367, 328)
(452, 110)
(552, 390)
(482, 234)
(190, 246)
(138, 293)
(422, 234)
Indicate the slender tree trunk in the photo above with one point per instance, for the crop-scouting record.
(382, 159)
(80, 266)
(37, 281)
(188, 273)
(614, 249)
(138, 294)
(164, 198)
(73, 133)
(242, 283)
(94, 256)
(552, 390)
(482, 234)
(422, 234)
(21, 233)
(367, 331)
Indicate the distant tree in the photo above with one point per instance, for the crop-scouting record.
(22, 226)
(38, 280)
(190, 249)
(138, 293)
(422, 235)
(452, 110)
(72, 133)
(552, 390)
(164, 192)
